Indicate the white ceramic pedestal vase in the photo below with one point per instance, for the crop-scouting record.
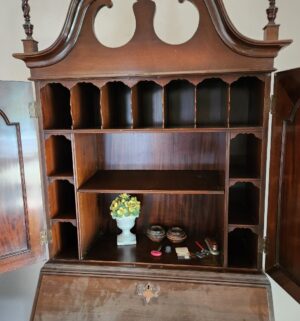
(126, 224)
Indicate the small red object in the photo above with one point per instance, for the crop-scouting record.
(199, 245)
(157, 252)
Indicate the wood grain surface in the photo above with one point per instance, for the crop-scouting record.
(21, 207)
(96, 298)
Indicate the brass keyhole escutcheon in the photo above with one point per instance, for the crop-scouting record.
(148, 291)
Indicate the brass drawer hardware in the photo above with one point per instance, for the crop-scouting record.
(148, 291)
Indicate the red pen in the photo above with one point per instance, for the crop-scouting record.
(200, 246)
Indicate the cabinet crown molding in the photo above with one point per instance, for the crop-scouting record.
(216, 42)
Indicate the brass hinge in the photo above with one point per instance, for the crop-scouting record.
(32, 108)
(45, 237)
(264, 245)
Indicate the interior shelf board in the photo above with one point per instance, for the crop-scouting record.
(62, 175)
(155, 181)
(254, 181)
(66, 217)
(49, 132)
(152, 130)
(67, 254)
(204, 129)
(252, 227)
(105, 249)
(246, 129)
(242, 269)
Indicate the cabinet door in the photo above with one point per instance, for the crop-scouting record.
(283, 258)
(21, 205)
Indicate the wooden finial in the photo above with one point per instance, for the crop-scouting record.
(30, 45)
(272, 12)
(28, 27)
(271, 30)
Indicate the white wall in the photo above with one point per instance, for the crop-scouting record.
(17, 288)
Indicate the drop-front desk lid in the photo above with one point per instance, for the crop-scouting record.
(69, 292)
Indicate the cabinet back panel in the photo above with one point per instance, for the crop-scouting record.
(247, 99)
(64, 241)
(180, 104)
(116, 105)
(147, 105)
(212, 100)
(242, 248)
(58, 154)
(61, 198)
(56, 109)
(244, 204)
(245, 156)
(85, 106)
(198, 215)
(156, 151)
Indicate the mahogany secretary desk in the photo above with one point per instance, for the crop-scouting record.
(183, 127)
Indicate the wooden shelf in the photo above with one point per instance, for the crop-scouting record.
(154, 181)
(105, 249)
(53, 132)
(202, 129)
(66, 217)
(154, 130)
(252, 227)
(254, 181)
(62, 175)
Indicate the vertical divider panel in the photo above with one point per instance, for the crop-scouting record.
(76, 196)
(164, 106)
(227, 169)
(228, 106)
(87, 162)
(195, 107)
(226, 200)
(263, 165)
(86, 157)
(104, 107)
(135, 108)
(89, 221)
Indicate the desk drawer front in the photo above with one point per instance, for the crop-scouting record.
(73, 298)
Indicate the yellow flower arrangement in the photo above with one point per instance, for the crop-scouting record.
(125, 205)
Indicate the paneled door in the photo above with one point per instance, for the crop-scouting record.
(21, 204)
